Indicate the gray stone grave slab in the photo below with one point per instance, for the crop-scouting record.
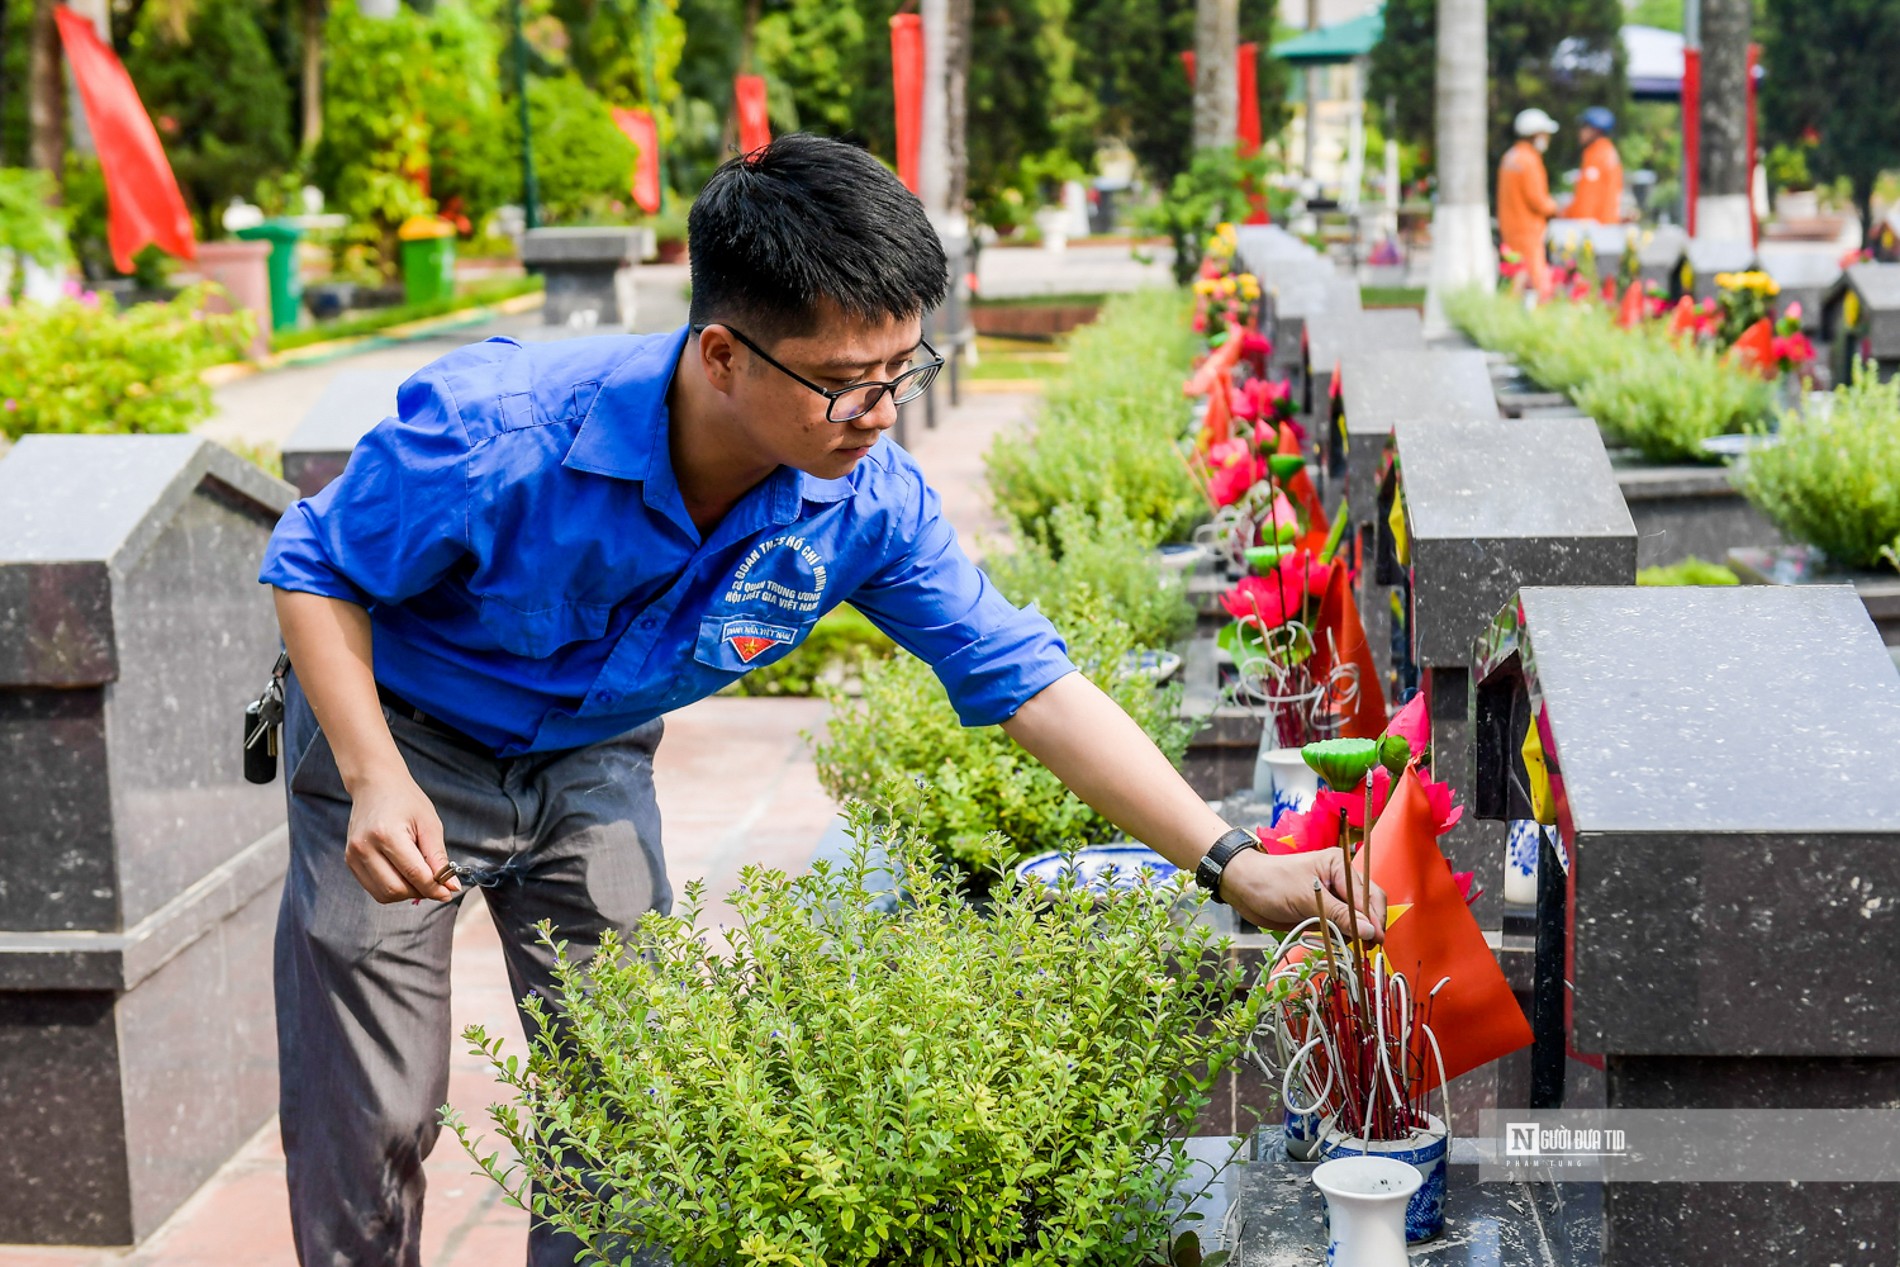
(353, 402)
(1805, 274)
(1489, 507)
(1706, 258)
(1861, 318)
(137, 1047)
(1660, 256)
(1804, 565)
(1728, 931)
(1683, 511)
(587, 270)
(1331, 335)
(1266, 249)
(1294, 299)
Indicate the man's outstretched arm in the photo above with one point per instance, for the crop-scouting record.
(1099, 752)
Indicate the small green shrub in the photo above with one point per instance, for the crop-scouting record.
(993, 802)
(1107, 556)
(1690, 571)
(82, 366)
(1644, 390)
(1108, 429)
(1834, 479)
(830, 1084)
(841, 645)
(30, 225)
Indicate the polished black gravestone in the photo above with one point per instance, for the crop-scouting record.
(1660, 253)
(1705, 259)
(137, 1049)
(353, 402)
(1377, 390)
(1485, 508)
(589, 272)
(1688, 510)
(1722, 928)
(1331, 335)
(1292, 298)
(1861, 318)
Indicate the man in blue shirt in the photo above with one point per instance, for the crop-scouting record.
(552, 546)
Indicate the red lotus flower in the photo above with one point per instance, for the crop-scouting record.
(1232, 481)
(1253, 343)
(1271, 600)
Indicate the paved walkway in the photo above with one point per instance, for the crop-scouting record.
(736, 785)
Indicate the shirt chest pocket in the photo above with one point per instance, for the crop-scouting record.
(737, 644)
(546, 630)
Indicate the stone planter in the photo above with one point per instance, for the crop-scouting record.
(1688, 510)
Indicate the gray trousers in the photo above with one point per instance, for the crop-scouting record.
(363, 989)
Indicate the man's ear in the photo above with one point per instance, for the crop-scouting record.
(718, 356)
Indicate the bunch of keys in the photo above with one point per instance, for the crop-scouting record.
(263, 720)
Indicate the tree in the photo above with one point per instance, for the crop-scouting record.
(1461, 219)
(1833, 82)
(1722, 202)
(1216, 95)
(626, 50)
(1521, 38)
(217, 97)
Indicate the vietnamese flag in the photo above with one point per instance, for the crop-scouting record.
(1630, 314)
(1431, 934)
(1218, 368)
(1342, 640)
(907, 85)
(638, 126)
(1318, 526)
(1756, 348)
(143, 205)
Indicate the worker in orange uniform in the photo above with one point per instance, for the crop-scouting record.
(1599, 195)
(1524, 202)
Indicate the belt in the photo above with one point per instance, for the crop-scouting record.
(403, 708)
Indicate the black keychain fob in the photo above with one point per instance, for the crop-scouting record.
(263, 719)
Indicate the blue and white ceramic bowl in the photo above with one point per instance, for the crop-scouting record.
(1100, 868)
(1426, 1152)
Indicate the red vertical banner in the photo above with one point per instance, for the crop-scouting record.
(907, 81)
(1753, 69)
(1247, 125)
(755, 127)
(1691, 133)
(638, 126)
(143, 204)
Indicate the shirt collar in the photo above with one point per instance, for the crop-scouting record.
(622, 433)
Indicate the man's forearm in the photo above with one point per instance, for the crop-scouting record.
(1099, 752)
(329, 644)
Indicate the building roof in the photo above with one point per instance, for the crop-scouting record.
(1340, 42)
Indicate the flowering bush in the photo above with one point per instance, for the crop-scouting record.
(835, 1084)
(81, 365)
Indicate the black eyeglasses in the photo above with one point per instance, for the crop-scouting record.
(859, 399)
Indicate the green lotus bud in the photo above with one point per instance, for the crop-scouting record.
(1343, 763)
(1284, 530)
(1263, 559)
(1395, 752)
(1285, 465)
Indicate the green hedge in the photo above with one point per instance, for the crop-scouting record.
(1833, 480)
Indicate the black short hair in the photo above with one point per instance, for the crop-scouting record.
(806, 219)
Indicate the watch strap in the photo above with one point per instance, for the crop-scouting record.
(1213, 864)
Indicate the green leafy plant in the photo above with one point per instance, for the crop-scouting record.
(1834, 478)
(1215, 189)
(584, 163)
(1101, 556)
(1646, 391)
(993, 802)
(30, 226)
(837, 1084)
(1108, 429)
(82, 366)
(1691, 571)
(839, 648)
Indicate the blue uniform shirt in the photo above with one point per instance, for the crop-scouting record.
(532, 576)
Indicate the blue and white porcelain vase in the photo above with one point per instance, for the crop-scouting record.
(1302, 1134)
(1282, 776)
(1366, 1200)
(1426, 1151)
(1521, 849)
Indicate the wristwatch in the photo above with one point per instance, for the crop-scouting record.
(1208, 873)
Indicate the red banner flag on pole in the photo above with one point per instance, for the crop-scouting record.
(1691, 133)
(907, 81)
(143, 204)
(755, 126)
(1247, 125)
(639, 127)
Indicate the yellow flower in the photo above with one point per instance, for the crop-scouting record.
(1726, 281)
(1203, 285)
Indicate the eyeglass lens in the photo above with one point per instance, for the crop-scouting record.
(907, 387)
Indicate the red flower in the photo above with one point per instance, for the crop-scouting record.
(1232, 481)
(1274, 599)
(1253, 343)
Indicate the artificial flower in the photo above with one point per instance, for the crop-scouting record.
(1342, 763)
(1231, 482)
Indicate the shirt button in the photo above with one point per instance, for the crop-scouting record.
(606, 697)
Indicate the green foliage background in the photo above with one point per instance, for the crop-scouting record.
(1834, 479)
(1833, 76)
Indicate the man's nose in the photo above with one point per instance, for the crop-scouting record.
(881, 416)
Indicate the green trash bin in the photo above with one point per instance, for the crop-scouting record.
(286, 285)
(428, 259)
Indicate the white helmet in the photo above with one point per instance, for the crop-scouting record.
(1533, 121)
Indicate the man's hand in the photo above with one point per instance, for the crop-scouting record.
(1276, 891)
(395, 849)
